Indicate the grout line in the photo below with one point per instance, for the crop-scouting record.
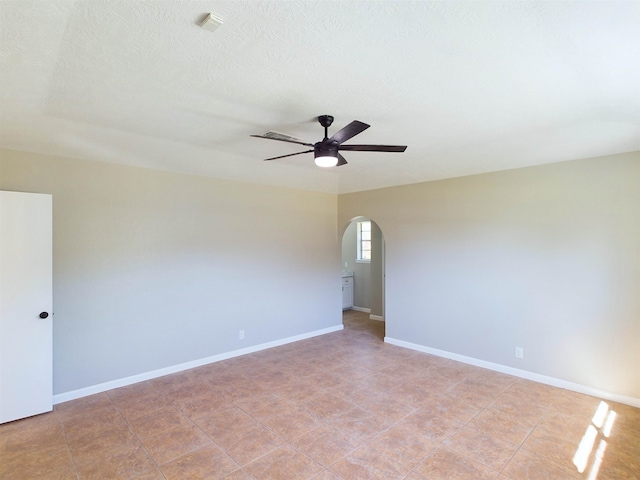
(66, 440)
(131, 429)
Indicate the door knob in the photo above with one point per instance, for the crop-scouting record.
(44, 315)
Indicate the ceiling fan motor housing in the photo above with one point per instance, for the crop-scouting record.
(322, 149)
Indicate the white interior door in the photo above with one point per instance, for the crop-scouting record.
(25, 305)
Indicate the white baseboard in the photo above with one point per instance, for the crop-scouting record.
(376, 317)
(123, 382)
(554, 382)
(361, 309)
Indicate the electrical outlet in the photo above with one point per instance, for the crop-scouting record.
(241, 334)
(519, 352)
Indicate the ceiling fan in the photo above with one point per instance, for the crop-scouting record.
(327, 152)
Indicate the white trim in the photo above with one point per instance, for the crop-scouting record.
(361, 309)
(123, 382)
(362, 260)
(536, 377)
(376, 317)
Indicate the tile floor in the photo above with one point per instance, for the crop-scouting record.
(339, 406)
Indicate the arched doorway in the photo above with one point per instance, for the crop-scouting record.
(363, 266)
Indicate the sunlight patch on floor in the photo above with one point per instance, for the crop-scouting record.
(601, 424)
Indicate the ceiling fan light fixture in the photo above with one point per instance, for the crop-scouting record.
(325, 155)
(326, 161)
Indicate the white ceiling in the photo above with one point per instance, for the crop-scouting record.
(470, 87)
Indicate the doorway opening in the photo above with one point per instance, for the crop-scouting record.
(363, 276)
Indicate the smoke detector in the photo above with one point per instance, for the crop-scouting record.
(211, 22)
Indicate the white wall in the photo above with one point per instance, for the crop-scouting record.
(546, 258)
(154, 269)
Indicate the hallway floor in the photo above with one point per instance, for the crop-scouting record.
(339, 406)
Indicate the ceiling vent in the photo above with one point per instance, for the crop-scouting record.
(211, 22)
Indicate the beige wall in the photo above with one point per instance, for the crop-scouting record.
(546, 258)
(153, 269)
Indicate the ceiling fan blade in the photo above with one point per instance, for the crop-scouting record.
(341, 161)
(290, 155)
(350, 131)
(283, 140)
(373, 148)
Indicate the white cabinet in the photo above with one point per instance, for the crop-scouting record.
(347, 293)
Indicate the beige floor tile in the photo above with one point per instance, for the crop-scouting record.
(224, 421)
(360, 424)
(516, 404)
(452, 408)
(326, 445)
(527, 465)
(615, 467)
(414, 476)
(133, 392)
(52, 462)
(174, 442)
(329, 378)
(35, 423)
(435, 427)
(239, 392)
(136, 407)
(489, 450)
(158, 421)
(84, 425)
(387, 407)
(291, 423)
(237, 475)
(496, 424)
(574, 404)
(248, 444)
(272, 380)
(264, 405)
(203, 405)
(474, 392)
(413, 393)
(190, 390)
(553, 446)
(354, 394)
(403, 444)
(26, 437)
(367, 463)
(123, 465)
(447, 465)
(169, 383)
(206, 462)
(285, 462)
(297, 391)
(86, 406)
(103, 444)
(327, 406)
(325, 475)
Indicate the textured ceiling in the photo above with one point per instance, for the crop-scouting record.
(470, 87)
